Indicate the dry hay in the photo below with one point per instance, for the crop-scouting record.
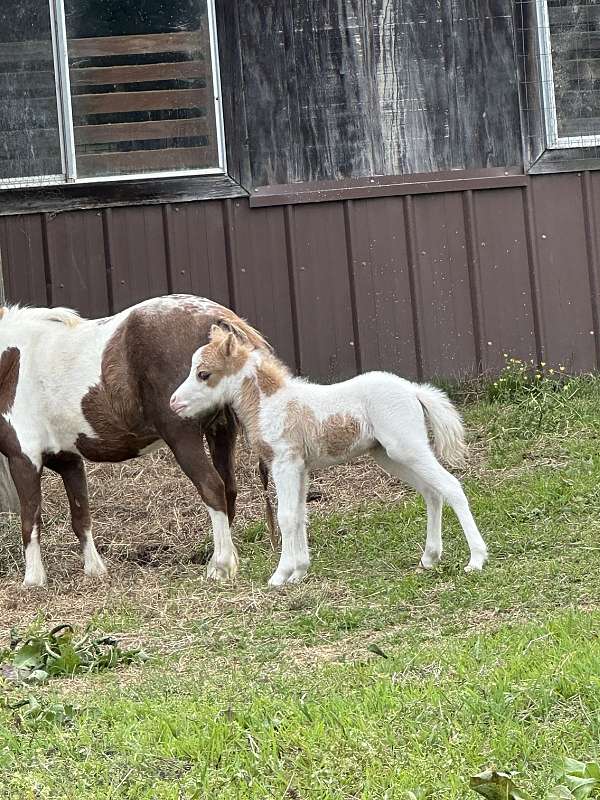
(152, 529)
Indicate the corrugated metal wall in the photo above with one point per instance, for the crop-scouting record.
(425, 285)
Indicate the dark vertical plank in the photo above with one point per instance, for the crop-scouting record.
(409, 65)
(196, 246)
(323, 292)
(266, 39)
(22, 254)
(334, 115)
(444, 288)
(260, 274)
(507, 314)
(76, 262)
(564, 286)
(138, 255)
(484, 116)
(382, 286)
(232, 90)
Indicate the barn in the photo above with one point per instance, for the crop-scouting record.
(403, 185)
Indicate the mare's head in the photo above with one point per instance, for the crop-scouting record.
(218, 370)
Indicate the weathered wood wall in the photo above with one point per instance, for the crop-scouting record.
(324, 89)
(425, 285)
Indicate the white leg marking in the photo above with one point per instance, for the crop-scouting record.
(224, 563)
(291, 484)
(35, 574)
(93, 566)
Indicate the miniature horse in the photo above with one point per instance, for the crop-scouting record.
(294, 425)
(71, 387)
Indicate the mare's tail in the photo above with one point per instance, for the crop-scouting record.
(446, 423)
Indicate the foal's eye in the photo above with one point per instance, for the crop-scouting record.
(203, 376)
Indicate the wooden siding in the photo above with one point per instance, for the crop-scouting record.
(316, 90)
(427, 285)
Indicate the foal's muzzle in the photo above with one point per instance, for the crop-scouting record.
(177, 405)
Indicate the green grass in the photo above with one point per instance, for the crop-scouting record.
(257, 694)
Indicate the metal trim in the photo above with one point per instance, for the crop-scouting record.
(63, 82)
(386, 186)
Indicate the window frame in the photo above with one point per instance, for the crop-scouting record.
(553, 140)
(68, 177)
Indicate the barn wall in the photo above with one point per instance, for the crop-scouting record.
(427, 285)
(326, 89)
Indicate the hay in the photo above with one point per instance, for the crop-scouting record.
(152, 530)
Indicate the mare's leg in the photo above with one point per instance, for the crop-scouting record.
(26, 478)
(433, 502)
(291, 483)
(186, 442)
(420, 460)
(72, 471)
(221, 438)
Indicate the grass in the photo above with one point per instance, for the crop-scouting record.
(368, 681)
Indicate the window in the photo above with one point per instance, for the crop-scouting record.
(100, 90)
(569, 45)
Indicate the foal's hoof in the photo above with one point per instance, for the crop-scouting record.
(282, 580)
(477, 562)
(430, 560)
(35, 583)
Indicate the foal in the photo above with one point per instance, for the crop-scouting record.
(294, 425)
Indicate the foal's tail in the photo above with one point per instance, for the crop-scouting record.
(446, 423)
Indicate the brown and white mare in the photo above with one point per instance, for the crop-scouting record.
(73, 388)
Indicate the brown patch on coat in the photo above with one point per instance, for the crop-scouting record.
(113, 409)
(249, 408)
(339, 433)
(2, 311)
(301, 428)
(224, 355)
(9, 377)
(333, 437)
(271, 375)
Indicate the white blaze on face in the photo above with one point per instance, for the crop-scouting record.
(193, 395)
(35, 574)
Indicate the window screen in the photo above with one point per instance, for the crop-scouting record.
(573, 44)
(137, 92)
(29, 135)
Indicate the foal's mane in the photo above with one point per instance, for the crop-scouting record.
(64, 316)
(245, 333)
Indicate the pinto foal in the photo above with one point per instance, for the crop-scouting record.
(294, 425)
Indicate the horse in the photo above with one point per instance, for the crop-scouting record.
(294, 426)
(74, 388)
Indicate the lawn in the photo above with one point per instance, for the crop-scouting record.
(370, 680)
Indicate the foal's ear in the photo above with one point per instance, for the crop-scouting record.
(216, 333)
(229, 345)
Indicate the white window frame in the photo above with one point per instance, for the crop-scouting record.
(65, 117)
(553, 140)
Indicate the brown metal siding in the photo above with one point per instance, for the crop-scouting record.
(426, 285)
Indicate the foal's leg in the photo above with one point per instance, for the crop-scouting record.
(422, 462)
(433, 502)
(72, 471)
(188, 447)
(221, 438)
(291, 483)
(27, 480)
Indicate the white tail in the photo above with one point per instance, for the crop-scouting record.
(446, 424)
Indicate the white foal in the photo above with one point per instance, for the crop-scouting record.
(294, 425)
